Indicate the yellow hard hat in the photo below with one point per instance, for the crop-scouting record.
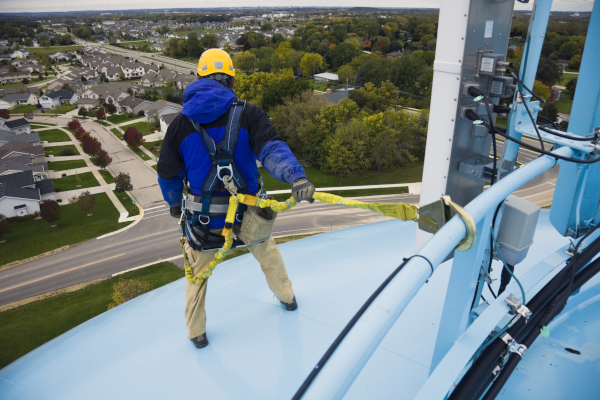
(215, 61)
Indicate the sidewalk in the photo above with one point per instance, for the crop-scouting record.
(52, 144)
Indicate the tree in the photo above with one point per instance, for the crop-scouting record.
(127, 289)
(111, 108)
(359, 80)
(50, 211)
(246, 61)
(5, 114)
(541, 90)
(266, 26)
(311, 63)
(381, 45)
(86, 202)
(346, 75)
(550, 111)
(40, 77)
(571, 86)
(102, 159)
(25, 81)
(194, 48)
(80, 133)
(83, 112)
(209, 41)
(5, 227)
(549, 71)
(91, 145)
(168, 90)
(28, 115)
(74, 124)
(342, 54)
(123, 183)
(568, 50)
(133, 137)
(101, 114)
(575, 62)
(121, 76)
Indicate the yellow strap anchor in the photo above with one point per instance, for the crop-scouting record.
(403, 211)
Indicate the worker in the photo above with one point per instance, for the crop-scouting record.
(216, 139)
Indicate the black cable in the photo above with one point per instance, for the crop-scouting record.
(492, 243)
(519, 82)
(531, 118)
(576, 138)
(548, 120)
(494, 166)
(557, 156)
(313, 374)
(491, 291)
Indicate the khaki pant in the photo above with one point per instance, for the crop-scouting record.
(271, 263)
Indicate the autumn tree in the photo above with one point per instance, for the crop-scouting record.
(127, 289)
(123, 183)
(91, 145)
(111, 108)
(133, 137)
(100, 114)
(25, 81)
(80, 133)
(83, 112)
(5, 114)
(74, 124)
(28, 115)
(246, 61)
(102, 159)
(50, 211)
(311, 63)
(346, 75)
(86, 202)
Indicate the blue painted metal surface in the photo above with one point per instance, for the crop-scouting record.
(567, 217)
(529, 63)
(257, 350)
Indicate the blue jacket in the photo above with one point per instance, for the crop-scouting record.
(184, 154)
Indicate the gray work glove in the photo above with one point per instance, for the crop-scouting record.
(175, 211)
(302, 189)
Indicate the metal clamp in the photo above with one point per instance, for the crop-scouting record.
(513, 346)
(435, 215)
(517, 307)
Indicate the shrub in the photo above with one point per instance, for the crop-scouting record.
(5, 226)
(5, 114)
(83, 111)
(67, 151)
(133, 137)
(23, 218)
(74, 124)
(100, 114)
(127, 289)
(86, 202)
(50, 211)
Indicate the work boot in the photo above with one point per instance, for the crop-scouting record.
(200, 341)
(291, 306)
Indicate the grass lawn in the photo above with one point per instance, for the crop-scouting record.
(353, 193)
(120, 118)
(84, 180)
(65, 165)
(25, 328)
(65, 108)
(55, 150)
(140, 126)
(153, 145)
(107, 176)
(127, 203)
(318, 85)
(54, 135)
(31, 81)
(139, 152)
(565, 104)
(407, 174)
(22, 109)
(117, 133)
(102, 122)
(73, 227)
(501, 122)
(155, 166)
(566, 78)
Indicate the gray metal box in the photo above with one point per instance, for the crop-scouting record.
(515, 235)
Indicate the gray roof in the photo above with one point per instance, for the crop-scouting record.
(336, 97)
(24, 178)
(7, 136)
(15, 123)
(45, 186)
(12, 190)
(131, 102)
(16, 96)
(16, 164)
(63, 94)
(168, 118)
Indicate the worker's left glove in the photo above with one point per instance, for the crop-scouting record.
(176, 211)
(302, 189)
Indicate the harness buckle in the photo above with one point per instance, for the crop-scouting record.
(227, 176)
(202, 222)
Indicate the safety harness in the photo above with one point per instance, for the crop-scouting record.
(197, 210)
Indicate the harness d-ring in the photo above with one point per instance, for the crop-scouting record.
(469, 239)
(202, 222)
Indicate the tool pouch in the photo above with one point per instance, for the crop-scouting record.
(256, 226)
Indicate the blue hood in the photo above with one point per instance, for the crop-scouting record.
(206, 100)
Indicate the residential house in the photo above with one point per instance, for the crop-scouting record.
(133, 70)
(73, 85)
(15, 149)
(25, 179)
(5, 57)
(57, 98)
(32, 138)
(20, 54)
(326, 77)
(20, 99)
(16, 201)
(18, 126)
(58, 56)
(110, 93)
(160, 108)
(132, 104)
(111, 73)
(88, 103)
(12, 77)
(166, 119)
(4, 105)
(336, 97)
(21, 163)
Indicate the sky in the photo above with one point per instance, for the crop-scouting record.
(107, 5)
